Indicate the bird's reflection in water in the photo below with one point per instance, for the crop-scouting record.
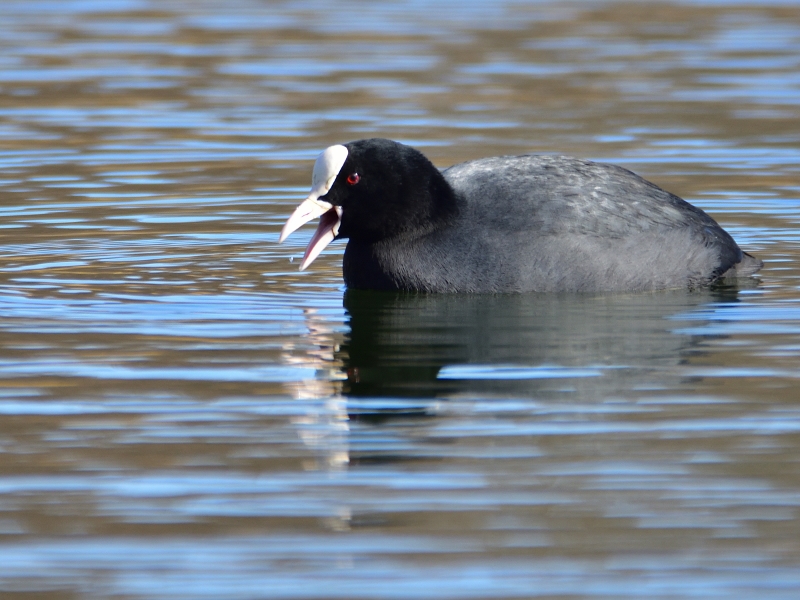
(405, 353)
(325, 427)
(581, 346)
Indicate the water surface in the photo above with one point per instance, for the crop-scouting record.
(184, 414)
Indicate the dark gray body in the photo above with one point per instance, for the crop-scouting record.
(553, 224)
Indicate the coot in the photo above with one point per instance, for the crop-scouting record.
(531, 223)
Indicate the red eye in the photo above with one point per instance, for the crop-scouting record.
(353, 178)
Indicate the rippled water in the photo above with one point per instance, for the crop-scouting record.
(184, 414)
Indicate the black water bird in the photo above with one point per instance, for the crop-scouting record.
(530, 223)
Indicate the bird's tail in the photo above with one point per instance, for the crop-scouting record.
(749, 265)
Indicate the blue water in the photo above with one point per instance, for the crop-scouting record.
(185, 414)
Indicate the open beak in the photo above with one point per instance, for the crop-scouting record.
(326, 168)
(327, 230)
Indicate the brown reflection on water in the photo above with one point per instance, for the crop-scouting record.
(185, 414)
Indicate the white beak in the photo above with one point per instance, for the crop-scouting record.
(326, 232)
(326, 168)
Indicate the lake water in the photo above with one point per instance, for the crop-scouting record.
(183, 414)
